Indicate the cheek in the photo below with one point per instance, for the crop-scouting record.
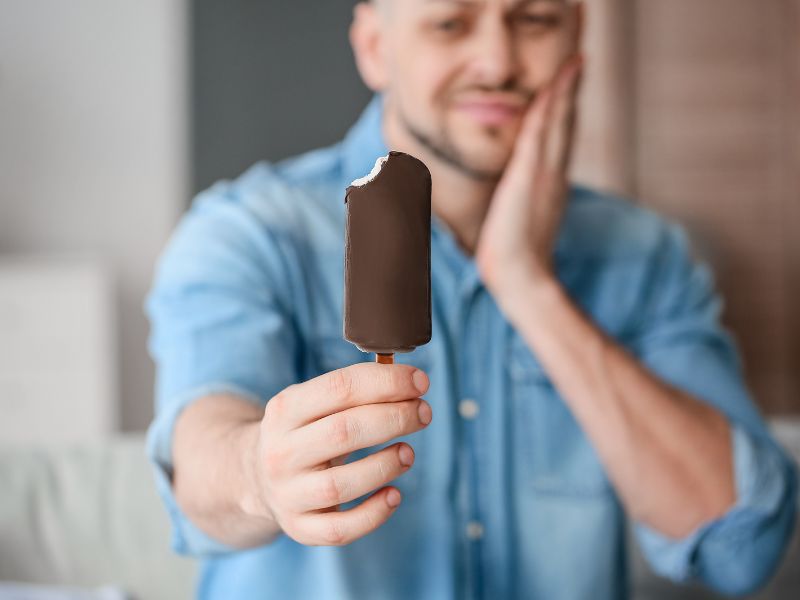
(543, 58)
(426, 82)
(429, 68)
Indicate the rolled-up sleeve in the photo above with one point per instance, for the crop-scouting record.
(682, 341)
(220, 323)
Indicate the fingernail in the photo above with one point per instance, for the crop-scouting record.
(420, 381)
(425, 414)
(393, 498)
(406, 455)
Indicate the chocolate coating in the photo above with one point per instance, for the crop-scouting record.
(387, 258)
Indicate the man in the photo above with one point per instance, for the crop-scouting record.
(577, 370)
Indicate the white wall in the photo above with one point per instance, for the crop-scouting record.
(93, 147)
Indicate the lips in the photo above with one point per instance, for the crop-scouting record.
(489, 112)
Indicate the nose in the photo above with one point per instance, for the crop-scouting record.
(494, 61)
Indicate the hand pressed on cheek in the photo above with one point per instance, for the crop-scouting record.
(518, 234)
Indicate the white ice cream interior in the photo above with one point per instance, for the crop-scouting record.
(373, 173)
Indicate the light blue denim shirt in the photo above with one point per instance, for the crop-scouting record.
(507, 497)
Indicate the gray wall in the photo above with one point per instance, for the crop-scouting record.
(270, 79)
(114, 112)
(93, 149)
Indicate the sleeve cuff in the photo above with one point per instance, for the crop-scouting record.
(760, 489)
(187, 539)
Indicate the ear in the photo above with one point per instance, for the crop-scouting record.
(367, 39)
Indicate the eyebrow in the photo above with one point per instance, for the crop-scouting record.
(516, 4)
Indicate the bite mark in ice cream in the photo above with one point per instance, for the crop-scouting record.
(373, 173)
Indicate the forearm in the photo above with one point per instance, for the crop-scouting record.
(213, 445)
(668, 455)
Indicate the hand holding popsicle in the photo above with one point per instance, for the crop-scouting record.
(297, 474)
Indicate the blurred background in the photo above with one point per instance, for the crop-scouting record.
(114, 113)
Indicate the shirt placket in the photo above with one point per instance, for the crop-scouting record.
(471, 519)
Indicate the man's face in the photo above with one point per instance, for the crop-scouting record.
(460, 73)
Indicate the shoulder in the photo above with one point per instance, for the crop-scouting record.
(627, 265)
(278, 194)
(252, 222)
(600, 226)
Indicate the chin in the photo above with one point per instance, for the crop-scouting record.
(492, 143)
(486, 156)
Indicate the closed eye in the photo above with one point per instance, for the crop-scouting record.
(538, 21)
(450, 25)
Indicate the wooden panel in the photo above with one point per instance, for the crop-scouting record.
(791, 222)
(717, 137)
(603, 156)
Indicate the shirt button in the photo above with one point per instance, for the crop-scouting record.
(474, 530)
(468, 408)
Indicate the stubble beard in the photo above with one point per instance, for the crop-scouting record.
(442, 147)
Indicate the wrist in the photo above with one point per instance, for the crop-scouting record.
(250, 498)
(506, 276)
(533, 292)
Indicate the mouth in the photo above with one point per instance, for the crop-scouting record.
(490, 111)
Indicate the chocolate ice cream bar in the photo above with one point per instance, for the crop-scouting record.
(387, 257)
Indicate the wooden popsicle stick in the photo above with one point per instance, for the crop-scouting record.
(384, 359)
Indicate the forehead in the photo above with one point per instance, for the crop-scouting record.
(408, 9)
(481, 3)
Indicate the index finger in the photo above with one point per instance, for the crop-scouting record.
(356, 385)
(561, 128)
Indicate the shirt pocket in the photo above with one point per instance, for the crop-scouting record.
(333, 352)
(553, 456)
